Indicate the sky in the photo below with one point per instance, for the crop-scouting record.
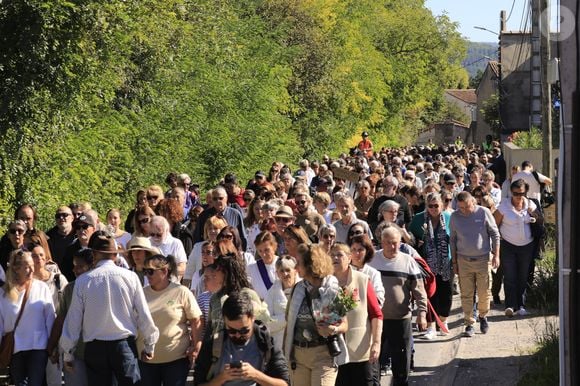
(470, 13)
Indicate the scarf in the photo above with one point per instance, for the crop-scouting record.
(436, 247)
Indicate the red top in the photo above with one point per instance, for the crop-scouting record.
(373, 308)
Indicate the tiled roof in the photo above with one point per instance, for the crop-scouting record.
(494, 67)
(466, 95)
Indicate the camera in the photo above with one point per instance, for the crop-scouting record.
(333, 347)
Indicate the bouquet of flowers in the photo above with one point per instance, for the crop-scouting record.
(332, 306)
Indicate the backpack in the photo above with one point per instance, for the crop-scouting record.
(546, 196)
(428, 277)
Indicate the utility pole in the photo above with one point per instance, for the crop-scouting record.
(547, 168)
(536, 68)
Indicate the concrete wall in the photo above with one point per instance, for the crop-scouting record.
(444, 133)
(467, 108)
(515, 155)
(515, 54)
(488, 86)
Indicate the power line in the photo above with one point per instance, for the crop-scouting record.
(511, 10)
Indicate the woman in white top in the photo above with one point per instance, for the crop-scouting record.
(114, 223)
(361, 253)
(211, 229)
(56, 283)
(262, 273)
(513, 218)
(31, 335)
(208, 251)
(253, 222)
(277, 297)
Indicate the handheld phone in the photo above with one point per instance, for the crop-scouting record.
(236, 364)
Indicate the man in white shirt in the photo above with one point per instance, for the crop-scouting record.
(109, 308)
(527, 174)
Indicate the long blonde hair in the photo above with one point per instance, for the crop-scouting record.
(15, 259)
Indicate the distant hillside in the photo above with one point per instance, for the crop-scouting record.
(476, 56)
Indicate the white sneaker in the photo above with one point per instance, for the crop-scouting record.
(522, 312)
(430, 334)
(443, 333)
(509, 312)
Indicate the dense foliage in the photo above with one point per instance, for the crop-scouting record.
(99, 98)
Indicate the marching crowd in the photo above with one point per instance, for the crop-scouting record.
(246, 284)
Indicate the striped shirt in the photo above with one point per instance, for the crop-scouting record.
(401, 279)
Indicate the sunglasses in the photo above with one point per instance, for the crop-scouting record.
(15, 231)
(433, 206)
(61, 215)
(152, 197)
(241, 331)
(150, 271)
(284, 220)
(156, 235)
(518, 194)
(144, 220)
(82, 226)
(356, 233)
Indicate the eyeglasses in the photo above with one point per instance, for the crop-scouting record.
(152, 197)
(61, 215)
(241, 331)
(83, 226)
(433, 206)
(518, 194)
(150, 271)
(156, 235)
(15, 231)
(144, 220)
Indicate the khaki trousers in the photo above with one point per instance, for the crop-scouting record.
(314, 367)
(474, 274)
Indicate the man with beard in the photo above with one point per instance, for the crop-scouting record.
(84, 228)
(307, 218)
(62, 235)
(243, 353)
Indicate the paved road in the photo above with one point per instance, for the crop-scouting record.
(501, 357)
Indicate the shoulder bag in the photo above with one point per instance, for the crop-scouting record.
(7, 345)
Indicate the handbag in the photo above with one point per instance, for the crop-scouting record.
(7, 345)
(538, 227)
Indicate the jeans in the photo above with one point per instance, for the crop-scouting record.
(28, 367)
(516, 262)
(78, 377)
(167, 374)
(397, 337)
(116, 359)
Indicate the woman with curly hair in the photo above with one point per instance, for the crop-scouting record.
(235, 279)
(305, 343)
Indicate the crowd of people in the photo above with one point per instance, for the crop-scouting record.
(236, 284)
